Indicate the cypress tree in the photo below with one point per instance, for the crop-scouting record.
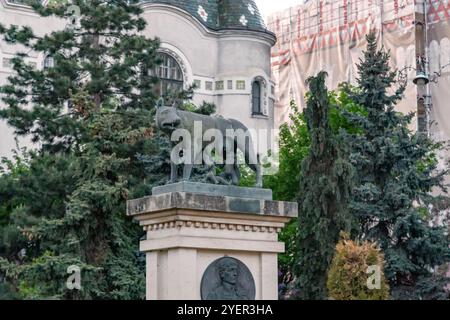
(325, 185)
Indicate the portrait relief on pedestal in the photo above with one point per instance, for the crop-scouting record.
(227, 279)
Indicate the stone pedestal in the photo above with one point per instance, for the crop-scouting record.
(191, 225)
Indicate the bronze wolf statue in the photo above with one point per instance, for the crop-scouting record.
(169, 119)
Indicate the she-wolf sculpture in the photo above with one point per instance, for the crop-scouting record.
(170, 118)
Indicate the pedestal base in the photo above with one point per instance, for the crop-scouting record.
(187, 232)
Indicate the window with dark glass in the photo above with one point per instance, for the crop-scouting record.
(169, 74)
(48, 62)
(256, 97)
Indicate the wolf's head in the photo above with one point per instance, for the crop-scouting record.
(167, 118)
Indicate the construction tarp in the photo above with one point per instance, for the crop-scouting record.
(438, 40)
(330, 36)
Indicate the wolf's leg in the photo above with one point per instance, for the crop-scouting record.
(259, 182)
(187, 171)
(257, 169)
(231, 171)
(235, 174)
(253, 162)
(173, 173)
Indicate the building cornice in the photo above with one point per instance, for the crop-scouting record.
(265, 36)
(257, 35)
(17, 6)
(185, 222)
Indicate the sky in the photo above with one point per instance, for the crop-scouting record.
(267, 7)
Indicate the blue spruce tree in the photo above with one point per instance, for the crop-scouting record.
(397, 173)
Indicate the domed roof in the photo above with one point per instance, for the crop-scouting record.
(221, 14)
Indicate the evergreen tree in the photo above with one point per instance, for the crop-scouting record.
(294, 146)
(325, 184)
(91, 113)
(397, 172)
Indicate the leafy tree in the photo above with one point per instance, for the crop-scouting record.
(325, 185)
(397, 172)
(294, 146)
(295, 142)
(91, 112)
(348, 274)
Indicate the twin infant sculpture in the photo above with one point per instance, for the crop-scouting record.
(173, 122)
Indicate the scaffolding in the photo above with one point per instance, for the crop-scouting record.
(330, 35)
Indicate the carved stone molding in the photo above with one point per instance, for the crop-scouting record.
(210, 225)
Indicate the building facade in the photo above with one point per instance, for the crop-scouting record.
(221, 46)
(16, 13)
(330, 35)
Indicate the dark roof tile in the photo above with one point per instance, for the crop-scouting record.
(221, 14)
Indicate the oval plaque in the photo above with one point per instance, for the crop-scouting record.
(227, 279)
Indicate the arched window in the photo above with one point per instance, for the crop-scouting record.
(49, 62)
(256, 97)
(169, 74)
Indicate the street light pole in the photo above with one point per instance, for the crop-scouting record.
(422, 79)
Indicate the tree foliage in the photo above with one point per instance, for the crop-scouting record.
(91, 113)
(294, 146)
(397, 172)
(348, 277)
(294, 140)
(325, 186)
